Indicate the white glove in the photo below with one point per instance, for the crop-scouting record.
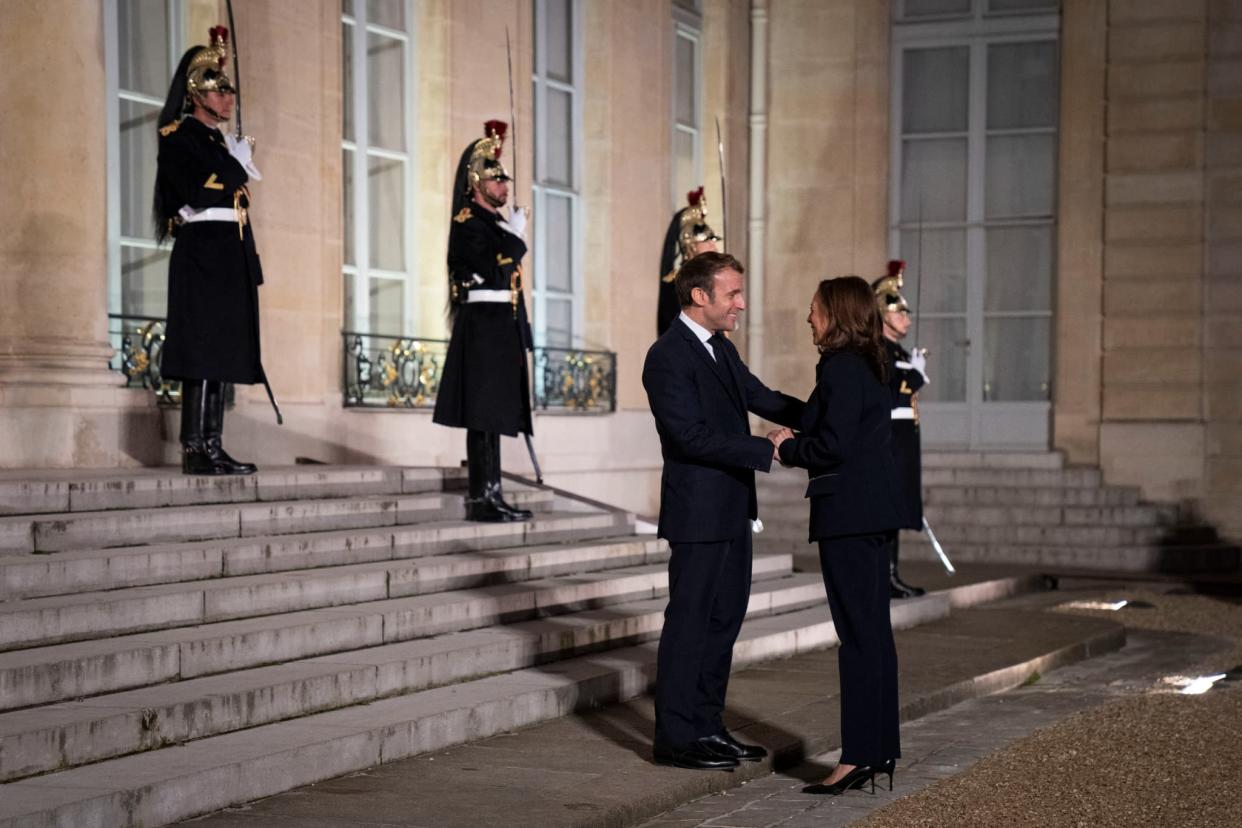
(243, 150)
(918, 361)
(518, 216)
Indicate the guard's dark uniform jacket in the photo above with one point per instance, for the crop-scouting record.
(213, 274)
(485, 383)
(903, 383)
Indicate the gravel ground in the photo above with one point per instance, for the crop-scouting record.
(1158, 759)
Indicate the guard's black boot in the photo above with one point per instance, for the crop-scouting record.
(480, 504)
(214, 434)
(194, 457)
(497, 495)
(897, 587)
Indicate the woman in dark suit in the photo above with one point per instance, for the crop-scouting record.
(844, 446)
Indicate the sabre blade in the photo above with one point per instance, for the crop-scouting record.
(944, 559)
(512, 117)
(236, 71)
(724, 207)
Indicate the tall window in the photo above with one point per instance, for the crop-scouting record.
(378, 197)
(558, 288)
(687, 109)
(974, 197)
(144, 40)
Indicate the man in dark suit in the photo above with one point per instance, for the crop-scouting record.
(700, 392)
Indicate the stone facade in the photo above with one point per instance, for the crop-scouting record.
(1147, 354)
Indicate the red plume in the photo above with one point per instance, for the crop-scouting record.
(497, 128)
(218, 31)
(694, 197)
(895, 266)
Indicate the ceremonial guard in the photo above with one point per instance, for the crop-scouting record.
(906, 375)
(202, 201)
(688, 235)
(485, 385)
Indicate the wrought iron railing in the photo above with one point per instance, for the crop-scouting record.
(404, 372)
(139, 344)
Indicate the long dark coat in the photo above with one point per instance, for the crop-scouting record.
(485, 384)
(214, 272)
(903, 384)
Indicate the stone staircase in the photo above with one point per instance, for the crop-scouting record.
(173, 645)
(1021, 508)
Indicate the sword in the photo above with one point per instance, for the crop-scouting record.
(512, 115)
(918, 289)
(236, 73)
(534, 461)
(724, 211)
(944, 559)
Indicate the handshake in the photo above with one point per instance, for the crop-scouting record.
(778, 436)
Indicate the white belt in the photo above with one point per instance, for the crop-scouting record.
(903, 413)
(210, 214)
(489, 296)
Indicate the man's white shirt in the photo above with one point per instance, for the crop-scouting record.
(702, 333)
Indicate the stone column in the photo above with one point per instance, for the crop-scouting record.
(57, 396)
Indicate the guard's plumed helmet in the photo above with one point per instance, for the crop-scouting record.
(888, 288)
(206, 72)
(694, 226)
(485, 155)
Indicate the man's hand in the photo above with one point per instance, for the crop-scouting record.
(518, 216)
(243, 150)
(918, 361)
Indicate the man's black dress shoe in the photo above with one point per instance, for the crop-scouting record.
(723, 744)
(694, 756)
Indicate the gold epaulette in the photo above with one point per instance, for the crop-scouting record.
(463, 215)
(670, 278)
(169, 129)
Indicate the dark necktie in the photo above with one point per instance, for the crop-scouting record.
(717, 341)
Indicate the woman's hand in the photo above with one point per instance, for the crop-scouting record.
(778, 436)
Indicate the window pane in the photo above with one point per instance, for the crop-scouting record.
(939, 261)
(1019, 274)
(351, 305)
(347, 204)
(1020, 175)
(386, 202)
(138, 151)
(557, 139)
(684, 75)
(1022, 5)
(559, 328)
(390, 13)
(385, 92)
(559, 36)
(143, 59)
(347, 7)
(928, 8)
(945, 341)
(559, 235)
(347, 81)
(686, 172)
(933, 186)
(1015, 360)
(144, 281)
(935, 94)
(1022, 85)
(387, 307)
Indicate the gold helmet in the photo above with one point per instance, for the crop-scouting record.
(485, 156)
(206, 71)
(888, 288)
(694, 227)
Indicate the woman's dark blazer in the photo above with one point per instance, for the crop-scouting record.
(844, 445)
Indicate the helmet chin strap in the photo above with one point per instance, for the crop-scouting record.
(201, 103)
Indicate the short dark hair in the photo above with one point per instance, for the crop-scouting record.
(700, 272)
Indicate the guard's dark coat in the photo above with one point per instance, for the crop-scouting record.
(214, 272)
(903, 383)
(485, 384)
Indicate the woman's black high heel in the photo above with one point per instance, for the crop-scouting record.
(856, 778)
(887, 767)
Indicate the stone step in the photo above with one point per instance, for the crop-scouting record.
(1146, 515)
(74, 733)
(80, 616)
(1031, 496)
(30, 575)
(175, 524)
(79, 669)
(1217, 557)
(993, 459)
(80, 490)
(791, 483)
(162, 786)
